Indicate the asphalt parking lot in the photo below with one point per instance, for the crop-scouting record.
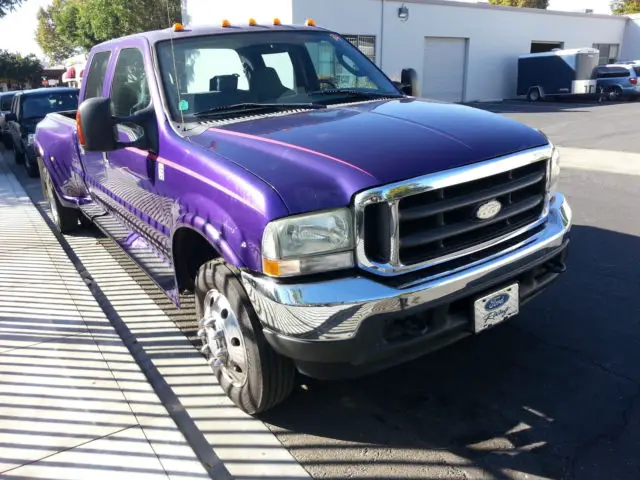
(554, 393)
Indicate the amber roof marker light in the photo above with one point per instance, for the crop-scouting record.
(310, 22)
(252, 22)
(276, 21)
(226, 23)
(178, 27)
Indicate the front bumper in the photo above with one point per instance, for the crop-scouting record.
(347, 320)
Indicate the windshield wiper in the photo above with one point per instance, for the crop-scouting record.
(243, 107)
(355, 93)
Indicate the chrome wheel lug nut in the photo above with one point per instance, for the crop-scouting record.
(207, 322)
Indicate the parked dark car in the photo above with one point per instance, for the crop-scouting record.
(619, 81)
(27, 109)
(5, 107)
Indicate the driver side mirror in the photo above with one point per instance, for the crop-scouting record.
(405, 89)
(409, 81)
(96, 126)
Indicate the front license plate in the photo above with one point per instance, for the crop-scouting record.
(496, 307)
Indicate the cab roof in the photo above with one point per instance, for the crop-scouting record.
(155, 36)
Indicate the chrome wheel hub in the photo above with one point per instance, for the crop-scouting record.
(222, 339)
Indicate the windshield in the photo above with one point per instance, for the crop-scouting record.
(5, 102)
(209, 72)
(37, 106)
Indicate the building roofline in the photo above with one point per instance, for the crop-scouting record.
(539, 11)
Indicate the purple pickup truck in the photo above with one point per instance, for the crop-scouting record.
(326, 221)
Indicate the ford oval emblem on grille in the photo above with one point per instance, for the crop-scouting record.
(496, 302)
(488, 210)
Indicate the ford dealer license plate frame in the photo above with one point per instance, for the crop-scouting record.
(496, 307)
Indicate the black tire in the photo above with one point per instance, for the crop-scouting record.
(269, 377)
(32, 167)
(18, 157)
(64, 218)
(615, 94)
(534, 95)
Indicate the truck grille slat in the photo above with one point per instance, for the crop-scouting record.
(415, 213)
(434, 235)
(430, 225)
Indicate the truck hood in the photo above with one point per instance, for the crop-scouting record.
(318, 159)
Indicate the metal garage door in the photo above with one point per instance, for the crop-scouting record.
(444, 68)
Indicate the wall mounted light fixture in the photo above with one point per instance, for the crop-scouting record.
(403, 13)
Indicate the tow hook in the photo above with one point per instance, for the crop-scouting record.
(557, 266)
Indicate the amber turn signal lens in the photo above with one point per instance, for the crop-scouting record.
(79, 129)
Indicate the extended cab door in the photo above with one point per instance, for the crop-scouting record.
(132, 172)
(94, 163)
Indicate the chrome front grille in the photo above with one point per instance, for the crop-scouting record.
(432, 219)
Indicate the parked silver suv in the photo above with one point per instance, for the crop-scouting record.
(618, 81)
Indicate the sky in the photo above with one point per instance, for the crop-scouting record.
(17, 30)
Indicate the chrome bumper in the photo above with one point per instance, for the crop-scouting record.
(335, 309)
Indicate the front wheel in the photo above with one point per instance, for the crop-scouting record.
(249, 371)
(31, 165)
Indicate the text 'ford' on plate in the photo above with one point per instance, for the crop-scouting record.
(488, 210)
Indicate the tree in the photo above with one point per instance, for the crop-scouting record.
(542, 4)
(7, 6)
(50, 39)
(15, 68)
(625, 7)
(72, 26)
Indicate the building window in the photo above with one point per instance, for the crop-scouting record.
(365, 43)
(608, 52)
(541, 47)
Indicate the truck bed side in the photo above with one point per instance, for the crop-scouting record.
(57, 145)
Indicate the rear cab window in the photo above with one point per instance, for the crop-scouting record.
(38, 106)
(94, 81)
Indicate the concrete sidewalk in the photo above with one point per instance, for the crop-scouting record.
(73, 401)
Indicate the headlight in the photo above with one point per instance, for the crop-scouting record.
(312, 243)
(30, 138)
(554, 170)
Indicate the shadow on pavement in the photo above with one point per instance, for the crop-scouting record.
(553, 393)
(550, 106)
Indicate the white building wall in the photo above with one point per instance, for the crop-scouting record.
(212, 12)
(631, 43)
(497, 36)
